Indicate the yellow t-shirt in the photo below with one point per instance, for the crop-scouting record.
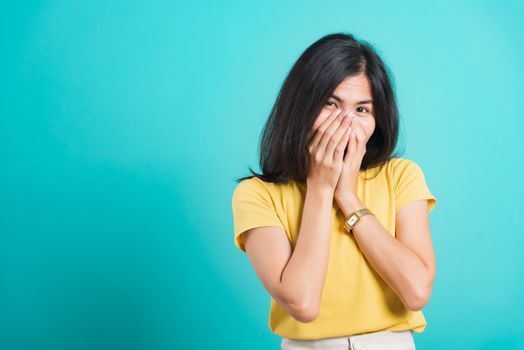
(355, 299)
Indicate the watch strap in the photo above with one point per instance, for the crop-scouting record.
(358, 213)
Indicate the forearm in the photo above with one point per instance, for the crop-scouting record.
(305, 271)
(398, 266)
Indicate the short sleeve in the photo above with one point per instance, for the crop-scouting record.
(252, 207)
(410, 185)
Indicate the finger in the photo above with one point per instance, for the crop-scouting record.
(352, 142)
(319, 132)
(361, 137)
(339, 150)
(348, 155)
(326, 119)
(324, 114)
(335, 138)
(326, 136)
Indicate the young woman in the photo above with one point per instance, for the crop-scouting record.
(337, 226)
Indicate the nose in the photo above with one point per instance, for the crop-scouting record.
(350, 114)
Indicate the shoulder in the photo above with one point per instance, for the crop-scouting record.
(253, 183)
(409, 183)
(399, 163)
(398, 168)
(403, 172)
(248, 187)
(256, 188)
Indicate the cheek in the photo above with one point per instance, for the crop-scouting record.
(370, 130)
(367, 126)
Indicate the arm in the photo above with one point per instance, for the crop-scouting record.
(295, 279)
(406, 263)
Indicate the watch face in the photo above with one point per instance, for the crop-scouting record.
(353, 218)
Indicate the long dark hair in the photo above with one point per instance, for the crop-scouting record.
(312, 79)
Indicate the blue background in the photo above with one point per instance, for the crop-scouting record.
(124, 123)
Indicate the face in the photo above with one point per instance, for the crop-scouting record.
(352, 95)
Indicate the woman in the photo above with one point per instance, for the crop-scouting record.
(326, 157)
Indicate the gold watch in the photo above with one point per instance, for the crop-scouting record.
(355, 217)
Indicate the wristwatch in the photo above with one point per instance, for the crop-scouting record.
(355, 217)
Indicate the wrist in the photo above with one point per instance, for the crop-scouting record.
(321, 194)
(349, 204)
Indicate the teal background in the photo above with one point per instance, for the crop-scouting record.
(124, 123)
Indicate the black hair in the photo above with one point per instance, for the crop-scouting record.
(306, 89)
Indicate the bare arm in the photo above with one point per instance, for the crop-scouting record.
(295, 278)
(406, 263)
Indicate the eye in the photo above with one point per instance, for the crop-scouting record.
(367, 110)
(331, 103)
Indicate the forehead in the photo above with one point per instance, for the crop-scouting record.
(354, 88)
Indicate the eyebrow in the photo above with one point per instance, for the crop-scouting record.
(358, 103)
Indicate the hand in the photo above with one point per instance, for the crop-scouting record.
(346, 189)
(326, 151)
